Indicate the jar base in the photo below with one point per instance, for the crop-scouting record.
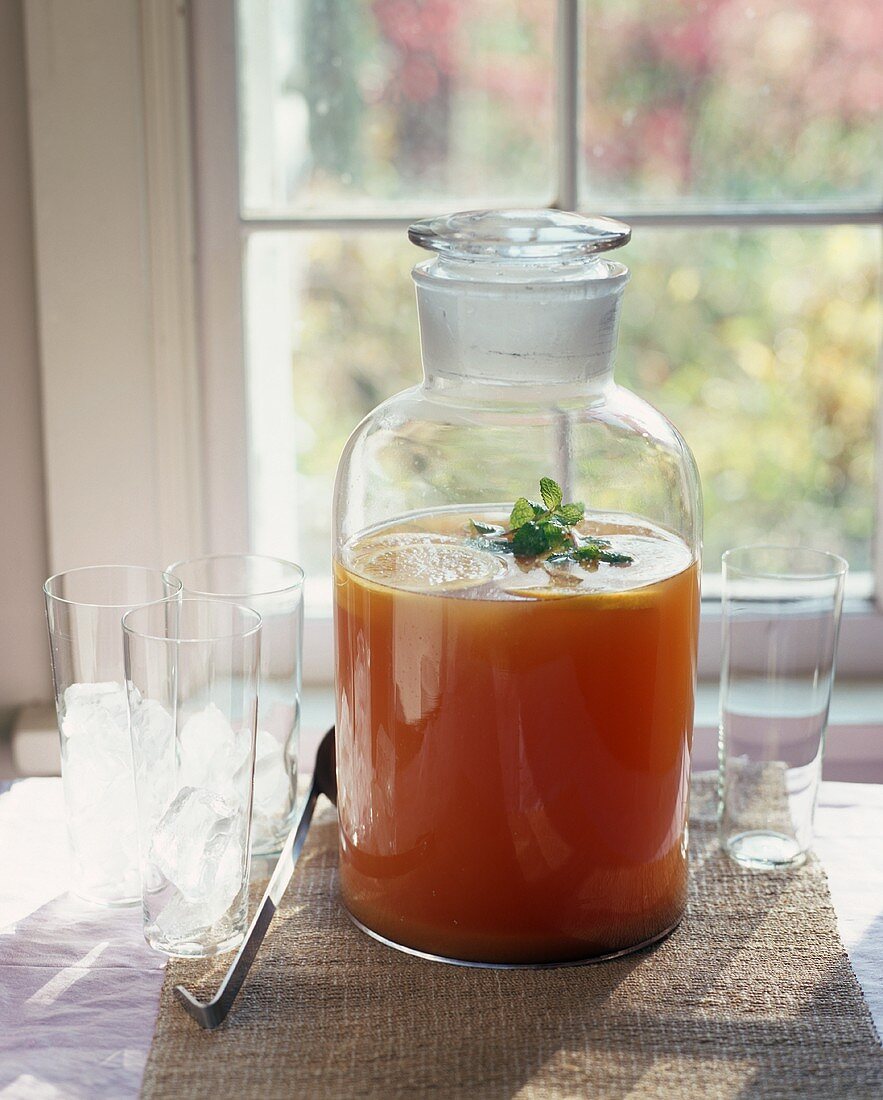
(474, 965)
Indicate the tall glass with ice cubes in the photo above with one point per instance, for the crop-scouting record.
(192, 673)
(83, 612)
(274, 588)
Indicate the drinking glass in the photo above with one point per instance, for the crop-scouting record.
(781, 618)
(192, 679)
(83, 612)
(274, 588)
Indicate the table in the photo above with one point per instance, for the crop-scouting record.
(79, 988)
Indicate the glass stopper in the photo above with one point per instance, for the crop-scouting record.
(555, 235)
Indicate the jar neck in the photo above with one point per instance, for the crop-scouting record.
(519, 334)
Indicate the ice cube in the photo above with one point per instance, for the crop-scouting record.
(272, 787)
(153, 725)
(153, 745)
(99, 788)
(106, 693)
(198, 848)
(96, 713)
(211, 754)
(182, 919)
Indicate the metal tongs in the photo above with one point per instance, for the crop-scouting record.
(212, 1013)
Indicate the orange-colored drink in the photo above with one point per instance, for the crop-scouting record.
(513, 744)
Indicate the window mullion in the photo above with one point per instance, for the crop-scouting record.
(566, 126)
(877, 534)
(752, 217)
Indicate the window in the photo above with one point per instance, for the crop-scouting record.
(740, 139)
(755, 293)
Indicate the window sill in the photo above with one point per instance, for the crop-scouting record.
(853, 753)
(859, 654)
(854, 741)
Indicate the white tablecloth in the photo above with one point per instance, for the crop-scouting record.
(79, 988)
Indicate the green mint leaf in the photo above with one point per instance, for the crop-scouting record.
(616, 559)
(547, 528)
(530, 540)
(555, 534)
(551, 493)
(523, 512)
(592, 553)
(501, 546)
(571, 513)
(482, 528)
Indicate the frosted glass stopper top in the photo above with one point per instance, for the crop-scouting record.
(551, 235)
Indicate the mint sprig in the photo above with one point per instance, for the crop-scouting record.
(548, 529)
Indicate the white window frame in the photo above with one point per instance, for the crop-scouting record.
(158, 239)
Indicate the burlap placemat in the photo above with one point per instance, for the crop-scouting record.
(753, 996)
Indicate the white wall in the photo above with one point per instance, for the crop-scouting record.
(24, 653)
(108, 110)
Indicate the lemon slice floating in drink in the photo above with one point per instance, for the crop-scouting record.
(425, 563)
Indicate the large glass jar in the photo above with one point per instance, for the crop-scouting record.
(515, 677)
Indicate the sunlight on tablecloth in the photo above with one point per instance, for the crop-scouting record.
(849, 842)
(79, 987)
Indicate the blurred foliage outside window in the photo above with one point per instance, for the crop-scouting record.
(761, 343)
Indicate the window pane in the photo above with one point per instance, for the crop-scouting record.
(353, 107)
(761, 345)
(331, 331)
(707, 101)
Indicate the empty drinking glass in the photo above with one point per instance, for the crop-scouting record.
(781, 617)
(274, 588)
(83, 612)
(192, 678)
